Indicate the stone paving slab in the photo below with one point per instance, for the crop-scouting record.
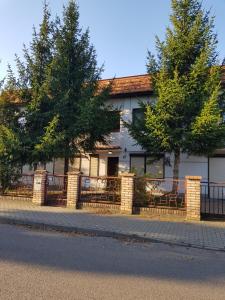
(209, 235)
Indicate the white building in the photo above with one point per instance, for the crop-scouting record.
(123, 154)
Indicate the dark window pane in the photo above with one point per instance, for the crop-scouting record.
(138, 165)
(138, 115)
(116, 118)
(143, 164)
(154, 167)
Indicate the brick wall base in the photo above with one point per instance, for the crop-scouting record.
(16, 198)
(150, 211)
(105, 207)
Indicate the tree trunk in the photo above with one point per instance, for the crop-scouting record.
(176, 170)
(66, 165)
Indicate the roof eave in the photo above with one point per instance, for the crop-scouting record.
(130, 94)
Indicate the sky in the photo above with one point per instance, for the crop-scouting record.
(121, 30)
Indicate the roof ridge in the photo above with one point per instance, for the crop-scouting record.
(139, 75)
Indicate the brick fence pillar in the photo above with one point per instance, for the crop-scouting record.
(127, 192)
(73, 189)
(193, 197)
(39, 189)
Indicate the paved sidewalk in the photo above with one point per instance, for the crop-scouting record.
(209, 235)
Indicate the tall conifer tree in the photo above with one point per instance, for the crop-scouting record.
(186, 116)
(10, 146)
(32, 72)
(79, 116)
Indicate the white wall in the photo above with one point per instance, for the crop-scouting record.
(190, 165)
(122, 138)
(126, 106)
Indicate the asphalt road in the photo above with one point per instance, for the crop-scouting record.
(49, 265)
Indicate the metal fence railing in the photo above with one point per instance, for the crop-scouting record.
(159, 193)
(100, 189)
(213, 198)
(21, 187)
(56, 190)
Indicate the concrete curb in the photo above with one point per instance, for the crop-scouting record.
(100, 233)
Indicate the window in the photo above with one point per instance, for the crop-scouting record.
(94, 163)
(155, 167)
(85, 165)
(137, 164)
(80, 163)
(59, 165)
(116, 117)
(137, 115)
(76, 164)
(144, 164)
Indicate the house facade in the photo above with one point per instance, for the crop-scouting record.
(122, 154)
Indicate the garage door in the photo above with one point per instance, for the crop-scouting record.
(217, 169)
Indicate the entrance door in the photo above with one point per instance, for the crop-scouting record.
(113, 166)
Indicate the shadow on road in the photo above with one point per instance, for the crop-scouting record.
(108, 256)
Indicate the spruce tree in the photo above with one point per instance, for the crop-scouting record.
(79, 116)
(32, 72)
(65, 111)
(187, 116)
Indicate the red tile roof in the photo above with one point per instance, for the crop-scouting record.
(131, 85)
(139, 84)
(107, 147)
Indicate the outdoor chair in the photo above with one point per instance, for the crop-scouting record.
(163, 200)
(172, 200)
(151, 200)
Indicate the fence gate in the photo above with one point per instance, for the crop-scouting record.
(56, 190)
(213, 200)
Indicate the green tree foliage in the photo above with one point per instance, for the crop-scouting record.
(65, 111)
(31, 84)
(187, 116)
(9, 159)
(10, 148)
(79, 117)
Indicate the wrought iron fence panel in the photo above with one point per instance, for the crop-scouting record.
(100, 189)
(21, 187)
(159, 193)
(56, 190)
(213, 199)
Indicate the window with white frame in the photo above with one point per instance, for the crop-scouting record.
(94, 165)
(146, 165)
